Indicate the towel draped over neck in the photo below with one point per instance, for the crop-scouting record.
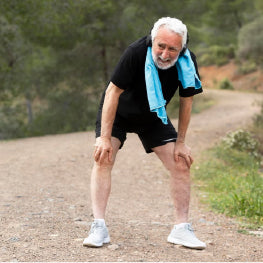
(186, 74)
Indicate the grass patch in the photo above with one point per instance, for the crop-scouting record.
(233, 182)
(257, 128)
(200, 103)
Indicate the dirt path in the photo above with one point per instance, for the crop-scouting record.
(45, 200)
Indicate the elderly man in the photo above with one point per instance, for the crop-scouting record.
(142, 84)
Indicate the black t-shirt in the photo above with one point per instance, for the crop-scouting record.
(129, 76)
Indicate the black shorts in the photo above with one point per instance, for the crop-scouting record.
(152, 134)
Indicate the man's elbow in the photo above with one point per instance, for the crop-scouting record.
(113, 90)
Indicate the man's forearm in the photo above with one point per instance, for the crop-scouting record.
(184, 117)
(109, 109)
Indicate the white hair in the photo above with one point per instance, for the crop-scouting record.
(172, 24)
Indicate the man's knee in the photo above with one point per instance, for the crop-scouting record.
(181, 166)
(104, 167)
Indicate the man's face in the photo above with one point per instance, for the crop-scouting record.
(166, 48)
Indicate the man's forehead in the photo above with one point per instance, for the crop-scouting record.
(163, 31)
(165, 35)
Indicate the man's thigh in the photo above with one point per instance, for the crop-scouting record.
(166, 154)
(157, 134)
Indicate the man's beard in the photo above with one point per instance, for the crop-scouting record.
(158, 62)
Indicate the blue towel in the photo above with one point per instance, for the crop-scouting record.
(186, 71)
(154, 88)
(186, 74)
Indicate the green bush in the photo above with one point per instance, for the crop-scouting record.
(67, 111)
(200, 103)
(250, 39)
(257, 128)
(225, 84)
(247, 67)
(218, 55)
(173, 107)
(242, 141)
(12, 120)
(231, 178)
(258, 119)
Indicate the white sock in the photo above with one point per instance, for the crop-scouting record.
(100, 221)
(181, 225)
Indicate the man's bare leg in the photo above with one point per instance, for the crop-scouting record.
(101, 183)
(100, 191)
(182, 233)
(179, 180)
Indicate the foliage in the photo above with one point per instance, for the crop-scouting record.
(231, 178)
(225, 84)
(258, 127)
(224, 18)
(243, 141)
(54, 50)
(173, 108)
(201, 103)
(250, 40)
(258, 119)
(247, 66)
(12, 123)
(258, 134)
(216, 55)
(66, 111)
(13, 51)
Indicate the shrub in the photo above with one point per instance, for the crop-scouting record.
(226, 84)
(200, 103)
(242, 141)
(247, 67)
(250, 40)
(67, 111)
(258, 119)
(258, 128)
(12, 120)
(173, 107)
(216, 55)
(230, 176)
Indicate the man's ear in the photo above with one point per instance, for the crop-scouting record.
(185, 46)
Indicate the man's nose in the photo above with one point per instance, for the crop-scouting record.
(165, 54)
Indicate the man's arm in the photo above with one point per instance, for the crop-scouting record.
(181, 149)
(103, 150)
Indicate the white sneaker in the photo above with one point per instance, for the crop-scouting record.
(183, 234)
(98, 235)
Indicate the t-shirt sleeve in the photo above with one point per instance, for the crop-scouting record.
(124, 72)
(191, 91)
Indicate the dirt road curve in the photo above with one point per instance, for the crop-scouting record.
(45, 201)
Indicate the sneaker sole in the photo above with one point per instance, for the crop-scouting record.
(180, 242)
(90, 244)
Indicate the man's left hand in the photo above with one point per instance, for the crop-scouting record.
(182, 150)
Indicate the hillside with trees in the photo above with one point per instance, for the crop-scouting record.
(57, 55)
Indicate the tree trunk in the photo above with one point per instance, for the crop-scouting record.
(29, 111)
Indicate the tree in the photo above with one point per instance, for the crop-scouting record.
(250, 40)
(56, 56)
(224, 19)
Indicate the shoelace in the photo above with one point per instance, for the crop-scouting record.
(94, 227)
(191, 230)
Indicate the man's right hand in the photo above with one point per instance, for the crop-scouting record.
(103, 150)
